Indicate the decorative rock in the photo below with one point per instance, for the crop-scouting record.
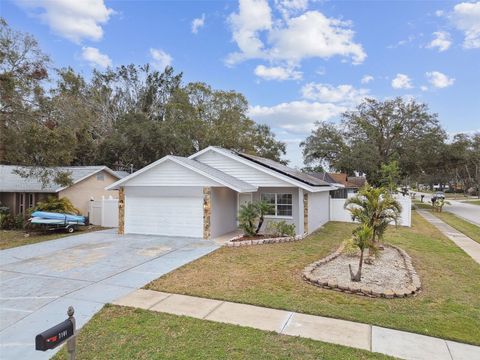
(389, 294)
(364, 289)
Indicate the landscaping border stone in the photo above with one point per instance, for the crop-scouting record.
(233, 242)
(363, 289)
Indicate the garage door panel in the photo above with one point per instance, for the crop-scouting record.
(172, 216)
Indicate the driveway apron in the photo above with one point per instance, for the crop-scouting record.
(38, 282)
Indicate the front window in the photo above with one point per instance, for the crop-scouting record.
(282, 203)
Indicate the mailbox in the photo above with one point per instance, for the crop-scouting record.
(54, 336)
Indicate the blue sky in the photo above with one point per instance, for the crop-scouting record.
(296, 61)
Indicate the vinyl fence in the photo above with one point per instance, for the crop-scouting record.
(104, 212)
(338, 213)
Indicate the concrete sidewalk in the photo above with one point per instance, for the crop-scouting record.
(396, 343)
(471, 247)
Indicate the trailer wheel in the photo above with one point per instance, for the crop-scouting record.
(70, 229)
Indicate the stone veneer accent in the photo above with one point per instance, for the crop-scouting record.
(305, 213)
(285, 239)
(362, 289)
(121, 210)
(207, 211)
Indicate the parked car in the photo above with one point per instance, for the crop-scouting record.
(440, 195)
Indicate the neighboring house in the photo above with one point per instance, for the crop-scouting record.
(89, 182)
(360, 181)
(346, 188)
(200, 196)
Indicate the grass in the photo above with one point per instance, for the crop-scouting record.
(465, 227)
(13, 238)
(125, 333)
(270, 275)
(473, 202)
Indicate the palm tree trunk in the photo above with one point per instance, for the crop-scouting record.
(358, 276)
(260, 223)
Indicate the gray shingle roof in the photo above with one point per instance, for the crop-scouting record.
(10, 181)
(285, 170)
(238, 184)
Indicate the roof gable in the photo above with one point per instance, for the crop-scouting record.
(10, 181)
(178, 171)
(279, 171)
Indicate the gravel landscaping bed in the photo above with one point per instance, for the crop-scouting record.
(391, 275)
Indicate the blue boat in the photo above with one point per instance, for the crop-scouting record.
(52, 221)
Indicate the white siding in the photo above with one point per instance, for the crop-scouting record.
(318, 210)
(170, 173)
(224, 211)
(239, 170)
(164, 211)
(339, 213)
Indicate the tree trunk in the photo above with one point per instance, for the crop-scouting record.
(260, 223)
(358, 276)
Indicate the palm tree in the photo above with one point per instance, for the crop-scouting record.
(263, 209)
(362, 238)
(376, 208)
(246, 217)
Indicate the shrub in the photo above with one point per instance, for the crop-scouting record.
(281, 228)
(247, 217)
(54, 204)
(350, 248)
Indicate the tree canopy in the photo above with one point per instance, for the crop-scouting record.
(127, 116)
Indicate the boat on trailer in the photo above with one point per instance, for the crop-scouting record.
(56, 221)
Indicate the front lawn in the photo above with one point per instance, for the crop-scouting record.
(271, 276)
(126, 333)
(14, 238)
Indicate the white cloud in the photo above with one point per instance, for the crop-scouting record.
(291, 7)
(277, 73)
(424, 88)
(95, 57)
(442, 40)
(198, 23)
(402, 81)
(344, 94)
(321, 102)
(253, 16)
(366, 79)
(297, 116)
(260, 36)
(439, 13)
(466, 17)
(439, 80)
(160, 59)
(74, 20)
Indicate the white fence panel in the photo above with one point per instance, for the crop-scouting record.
(104, 212)
(339, 213)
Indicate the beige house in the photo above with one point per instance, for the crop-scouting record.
(89, 182)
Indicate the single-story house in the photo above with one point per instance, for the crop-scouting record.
(200, 196)
(346, 188)
(88, 182)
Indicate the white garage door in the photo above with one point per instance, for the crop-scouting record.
(158, 215)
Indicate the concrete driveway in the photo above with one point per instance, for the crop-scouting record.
(38, 282)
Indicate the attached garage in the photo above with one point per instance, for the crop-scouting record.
(164, 211)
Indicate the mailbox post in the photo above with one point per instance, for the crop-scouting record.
(57, 335)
